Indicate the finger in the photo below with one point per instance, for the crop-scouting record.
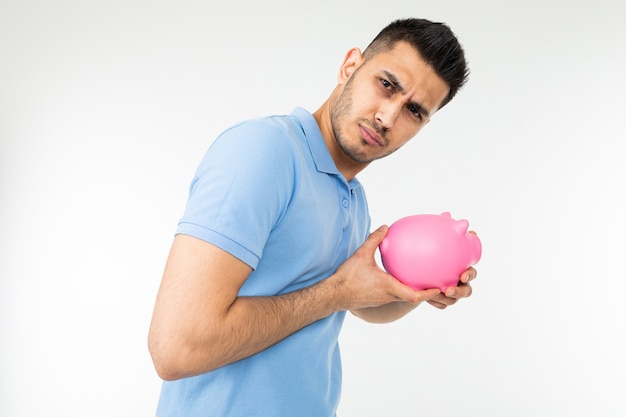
(380, 233)
(461, 291)
(468, 275)
(410, 295)
(377, 236)
(429, 294)
(437, 304)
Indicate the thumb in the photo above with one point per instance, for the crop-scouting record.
(376, 237)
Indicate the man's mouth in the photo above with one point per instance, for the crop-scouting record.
(370, 136)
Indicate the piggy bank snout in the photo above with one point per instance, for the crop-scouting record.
(476, 248)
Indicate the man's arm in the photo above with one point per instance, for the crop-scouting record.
(200, 323)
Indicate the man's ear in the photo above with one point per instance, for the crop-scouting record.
(351, 62)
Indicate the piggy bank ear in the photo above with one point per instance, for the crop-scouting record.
(446, 214)
(461, 226)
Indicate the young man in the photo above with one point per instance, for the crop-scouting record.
(273, 247)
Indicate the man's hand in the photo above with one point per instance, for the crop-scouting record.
(376, 295)
(364, 284)
(454, 294)
(396, 299)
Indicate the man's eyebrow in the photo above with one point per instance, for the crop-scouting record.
(396, 83)
(393, 80)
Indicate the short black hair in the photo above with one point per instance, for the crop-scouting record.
(436, 44)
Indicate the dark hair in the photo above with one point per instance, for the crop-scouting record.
(435, 43)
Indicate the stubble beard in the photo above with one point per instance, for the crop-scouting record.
(340, 111)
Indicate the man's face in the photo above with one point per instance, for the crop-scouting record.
(384, 102)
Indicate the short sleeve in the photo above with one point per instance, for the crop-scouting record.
(241, 189)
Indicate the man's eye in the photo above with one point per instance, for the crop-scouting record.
(386, 83)
(415, 111)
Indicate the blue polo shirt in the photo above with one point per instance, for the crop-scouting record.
(268, 192)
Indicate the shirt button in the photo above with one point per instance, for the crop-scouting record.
(345, 203)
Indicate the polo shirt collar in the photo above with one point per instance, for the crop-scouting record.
(321, 156)
(319, 151)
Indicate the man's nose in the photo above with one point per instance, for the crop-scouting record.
(387, 114)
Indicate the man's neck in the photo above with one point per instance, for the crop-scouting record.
(347, 167)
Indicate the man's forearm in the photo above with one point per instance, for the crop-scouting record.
(385, 313)
(253, 324)
(250, 325)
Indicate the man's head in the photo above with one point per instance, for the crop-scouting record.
(436, 44)
(388, 93)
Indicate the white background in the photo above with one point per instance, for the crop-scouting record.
(106, 107)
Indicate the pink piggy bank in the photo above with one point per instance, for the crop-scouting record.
(429, 250)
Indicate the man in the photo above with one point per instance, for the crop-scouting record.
(273, 247)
